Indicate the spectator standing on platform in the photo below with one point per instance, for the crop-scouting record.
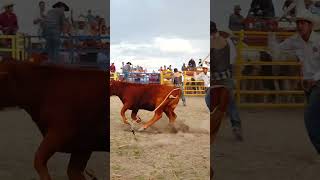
(90, 17)
(236, 19)
(40, 17)
(53, 27)
(178, 82)
(8, 19)
(126, 71)
(183, 68)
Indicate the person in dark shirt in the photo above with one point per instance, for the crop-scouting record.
(236, 19)
(262, 8)
(52, 28)
(112, 68)
(192, 64)
(8, 20)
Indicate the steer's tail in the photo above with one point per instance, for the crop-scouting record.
(170, 96)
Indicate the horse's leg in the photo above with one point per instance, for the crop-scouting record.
(77, 165)
(135, 117)
(47, 148)
(156, 117)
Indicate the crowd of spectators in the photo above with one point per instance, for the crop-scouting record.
(264, 9)
(88, 31)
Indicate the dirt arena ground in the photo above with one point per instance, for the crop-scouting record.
(276, 147)
(158, 154)
(19, 141)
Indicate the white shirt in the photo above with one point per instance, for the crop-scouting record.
(37, 15)
(307, 52)
(204, 77)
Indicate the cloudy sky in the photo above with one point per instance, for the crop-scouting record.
(25, 10)
(221, 9)
(159, 32)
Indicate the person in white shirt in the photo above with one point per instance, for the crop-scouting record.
(305, 44)
(39, 17)
(205, 76)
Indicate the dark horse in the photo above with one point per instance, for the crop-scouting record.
(69, 105)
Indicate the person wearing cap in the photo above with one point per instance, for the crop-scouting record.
(222, 56)
(305, 44)
(52, 28)
(126, 70)
(236, 19)
(177, 79)
(8, 20)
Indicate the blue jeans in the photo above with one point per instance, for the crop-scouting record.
(182, 94)
(232, 107)
(52, 45)
(312, 116)
(126, 76)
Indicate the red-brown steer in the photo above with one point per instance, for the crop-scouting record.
(150, 97)
(69, 106)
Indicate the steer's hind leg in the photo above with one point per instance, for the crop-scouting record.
(77, 165)
(47, 148)
(156, 117)
(135, 117)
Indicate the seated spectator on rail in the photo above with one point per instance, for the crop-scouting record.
(286, 5)
(183, 68)
(112, 68)
(261, 8)
(200, 63)
(236, 20)
(192, 64)
(90, 18)
(312, 6)
(82, 28)
(8, 20)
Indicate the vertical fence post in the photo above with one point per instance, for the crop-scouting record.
(239, 64)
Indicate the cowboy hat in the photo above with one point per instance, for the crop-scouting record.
(61, 4)
(237, 7)
(227, 31)
(8, 3)
(213, 27)
(306, 15)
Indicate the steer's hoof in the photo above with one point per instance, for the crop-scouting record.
(138, 120)
(141, 129)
